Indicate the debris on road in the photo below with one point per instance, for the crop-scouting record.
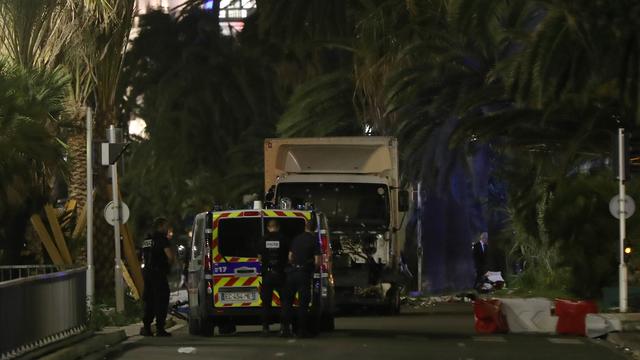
(187, 350)
(417, 302)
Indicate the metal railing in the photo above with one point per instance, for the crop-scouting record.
(36, 310)
(12, 272)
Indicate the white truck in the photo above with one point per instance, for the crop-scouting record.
(355, 182)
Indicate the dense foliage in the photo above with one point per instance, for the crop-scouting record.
(504, 110)
(31, 156)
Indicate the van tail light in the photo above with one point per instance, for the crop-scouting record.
(326, 252)
(209, 288)
(207, 264)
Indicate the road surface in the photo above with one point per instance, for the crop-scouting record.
(442, 332)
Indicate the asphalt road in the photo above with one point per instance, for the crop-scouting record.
(442, 332)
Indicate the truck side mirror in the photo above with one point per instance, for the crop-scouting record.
(403, 201)
(268, 197)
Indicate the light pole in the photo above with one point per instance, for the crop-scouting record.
(89, 211)
(622, 269)
(119, 285)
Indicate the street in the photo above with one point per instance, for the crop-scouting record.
(441, 332)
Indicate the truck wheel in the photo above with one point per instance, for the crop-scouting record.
(194, 326)
(206, 327)
(327, 322)
(393, 301)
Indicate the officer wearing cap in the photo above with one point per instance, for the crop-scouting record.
(157, 257)
(304, 257)
(273, 256)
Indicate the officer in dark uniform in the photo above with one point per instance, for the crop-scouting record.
(304, 257)
(157, 257)
(273, 256)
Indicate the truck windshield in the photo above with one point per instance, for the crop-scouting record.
(345, 204)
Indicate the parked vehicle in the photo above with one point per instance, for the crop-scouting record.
(354, 181)
(224, 274)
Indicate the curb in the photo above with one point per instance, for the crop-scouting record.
(39, 353)
(89, 346)
(628, 346)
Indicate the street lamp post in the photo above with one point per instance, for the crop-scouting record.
(119, 285)
(89, 211)
(622, 270)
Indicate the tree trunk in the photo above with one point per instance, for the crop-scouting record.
(77, 150)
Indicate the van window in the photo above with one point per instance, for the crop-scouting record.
(239, 237)
(198, 237)
(289, 227)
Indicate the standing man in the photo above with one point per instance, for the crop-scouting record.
(273, 256)
(157, 258)
(304, 258)
(480, 250)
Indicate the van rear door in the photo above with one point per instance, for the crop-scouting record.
(234, 250)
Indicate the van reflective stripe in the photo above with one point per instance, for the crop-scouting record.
(250, 281)
(227, 278)
(215, 249)
(287, 213)
(239, 282)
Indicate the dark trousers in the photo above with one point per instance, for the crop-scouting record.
(270, 281)
(156, 299)
(298, 281)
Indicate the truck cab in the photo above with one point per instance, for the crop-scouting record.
(355, 182)
(224, 273)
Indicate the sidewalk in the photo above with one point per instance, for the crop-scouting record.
(629, 337)
(95, 345)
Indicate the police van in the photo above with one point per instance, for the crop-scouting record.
(224, 274)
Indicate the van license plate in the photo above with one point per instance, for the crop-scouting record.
(239, 296)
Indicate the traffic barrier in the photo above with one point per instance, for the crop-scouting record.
(488, 316)
(38, 310)
(529, 315)
(572, 314)
(598, 325)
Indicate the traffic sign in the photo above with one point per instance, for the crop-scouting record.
(111, 213)
(629, 206)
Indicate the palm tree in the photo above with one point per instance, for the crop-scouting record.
(33, 33)
(88, 40)
(85, 38)
(30, 154)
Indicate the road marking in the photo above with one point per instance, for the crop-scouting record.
(410, 337)
(461, 345)
(279, 354)
(499, 339)
(566, 341)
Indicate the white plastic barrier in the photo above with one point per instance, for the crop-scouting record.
(529, 315)
(602, 324)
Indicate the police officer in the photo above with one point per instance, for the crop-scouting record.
(273, 256)
(304, 258)
(157, 257)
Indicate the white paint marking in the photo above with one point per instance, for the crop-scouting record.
(563, 341)
(499, 339)
(279, 354)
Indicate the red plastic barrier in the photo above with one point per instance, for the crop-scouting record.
(488, 317)
(572, 314)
